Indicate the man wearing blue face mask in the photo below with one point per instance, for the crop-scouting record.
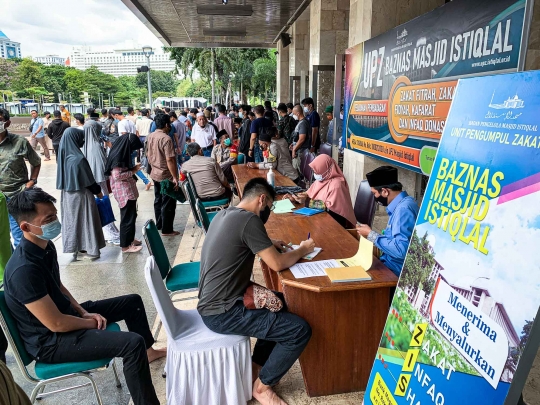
(54, 327)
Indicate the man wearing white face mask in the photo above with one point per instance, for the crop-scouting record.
(315, 121)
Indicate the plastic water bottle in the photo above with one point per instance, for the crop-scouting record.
(271, 177)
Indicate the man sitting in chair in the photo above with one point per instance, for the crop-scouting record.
(226, 270)
(402, 211)
(208, 177)
(55, 328)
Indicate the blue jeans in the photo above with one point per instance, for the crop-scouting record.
(139, 173)
(281, 336)
(16, 232)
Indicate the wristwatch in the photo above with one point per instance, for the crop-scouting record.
(34, 180)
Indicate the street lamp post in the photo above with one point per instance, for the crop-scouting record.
(147, 50)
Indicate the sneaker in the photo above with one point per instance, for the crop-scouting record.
(115, 242)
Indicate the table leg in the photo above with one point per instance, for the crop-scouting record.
(347, 328)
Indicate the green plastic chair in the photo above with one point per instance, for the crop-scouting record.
(182, 278)
(208, 205)
(192, 199)
(46, 373)
(204, 216)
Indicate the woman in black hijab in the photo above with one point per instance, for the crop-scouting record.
(122, 171)
(81, 225)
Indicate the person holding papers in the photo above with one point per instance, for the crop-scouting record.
(225, 284)
(329, 192)
(402, 210)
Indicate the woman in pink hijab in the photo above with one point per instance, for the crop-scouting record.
(329, 191)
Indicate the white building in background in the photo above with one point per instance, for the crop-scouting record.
(120, 62)
(9, 49)
(49, 60)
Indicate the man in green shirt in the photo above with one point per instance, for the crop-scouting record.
(14, 149)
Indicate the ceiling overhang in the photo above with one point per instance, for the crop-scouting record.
(205, 23)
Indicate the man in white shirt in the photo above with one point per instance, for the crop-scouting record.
(125, 126)
(204, 135)
(143, 125)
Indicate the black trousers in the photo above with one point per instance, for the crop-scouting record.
(227, 194)
(94, 344)
(128, 216)
(164, 209)
(281, 336)
(3, 346)
(55, 147)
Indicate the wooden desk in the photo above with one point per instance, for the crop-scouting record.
(347, 318)
(242, 174)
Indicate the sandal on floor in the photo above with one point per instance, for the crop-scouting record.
(136, 242)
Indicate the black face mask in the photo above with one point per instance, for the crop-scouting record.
(265, 214)
(382, 200)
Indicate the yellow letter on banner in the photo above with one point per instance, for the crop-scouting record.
(418, 334)
(410, 360)
(403, 383)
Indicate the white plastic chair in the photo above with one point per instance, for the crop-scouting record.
(202, 367)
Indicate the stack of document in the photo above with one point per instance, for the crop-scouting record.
(340, 270)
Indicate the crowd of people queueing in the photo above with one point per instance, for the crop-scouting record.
(104, 154)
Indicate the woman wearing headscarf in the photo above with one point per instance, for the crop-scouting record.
(121, 169)
(94, 152)
(329, 192)
(81, 224)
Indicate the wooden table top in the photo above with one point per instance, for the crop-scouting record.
(243, 174)
(335, 241)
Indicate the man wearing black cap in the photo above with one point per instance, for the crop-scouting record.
(402, 210)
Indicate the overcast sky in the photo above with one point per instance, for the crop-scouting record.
(52, 28)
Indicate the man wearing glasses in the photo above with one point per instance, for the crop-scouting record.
(226, 270)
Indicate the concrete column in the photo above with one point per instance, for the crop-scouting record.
(282, 73)
(299, 51)
(367, 19)
(532, 62)
(328, 33)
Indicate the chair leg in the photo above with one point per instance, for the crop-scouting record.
(196, 246)
(193, 230)
(39, 397)
(157, 331)
(115, 371)
(96, 391)
(38, 389)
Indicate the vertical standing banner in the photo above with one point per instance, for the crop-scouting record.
(399, 85)
(469, 291)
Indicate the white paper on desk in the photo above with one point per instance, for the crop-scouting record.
(311, 255)
(312, 269)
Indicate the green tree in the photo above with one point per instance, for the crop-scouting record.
(200, 88)
(74, 80)
(33, 92)
(264, 78)
(183, 87)
(28, 74)
(418, 264)
(161, 81)
(232, 67)
(53, 79)
(8, 70)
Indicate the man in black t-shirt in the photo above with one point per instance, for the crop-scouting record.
(54, 327)
(226, 270)
(255, 153)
